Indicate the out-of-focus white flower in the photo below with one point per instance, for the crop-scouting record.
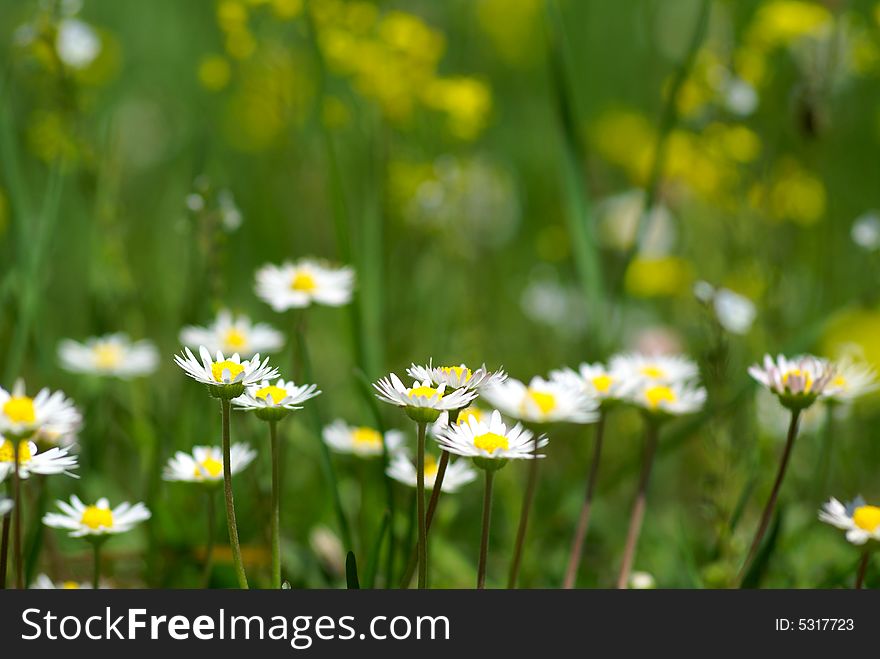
(112, 354)
(734, 312)
(543, 401)
(361, 441)
(230, 333)
(739, 97)
(77, 43)
(852, 380)
(298, 285)
(205, 463)
(458, 472)
(596, 380)
(50, 412)
(552, 304)
(633, 367)
(230, 214)
(671, 399)
(43, 582)
(865, 231)
(6, 505)
(619, 218)
(97, 519)
(30, 461)
(642, 581)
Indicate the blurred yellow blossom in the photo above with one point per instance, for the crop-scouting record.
(658, 276)
(782, 22)
(853, 330)
(625, 138)
(792, 194)
(214, 72)
(231, 15)
(511, 25)
(466, 101)
(287, 9)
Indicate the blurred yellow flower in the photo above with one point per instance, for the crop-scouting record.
(853, 331)
(625, 138)
(793, 194)
(214, 72)
(782, 22)
(466, 101)
(287, 9)
(658, 277)
(231, 15)
(511, 26)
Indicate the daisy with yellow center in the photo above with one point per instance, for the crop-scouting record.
(457, 377)
(861, 522)
(272, 402)
(43, 582)
(205, 464)
(30, 461)
(113, 355)
(305, 282)
(458, 472)
(667, 399)
(543, 401)
(22, 415)
(361, 441)
(800, 381)
(231, 333)
(852, 380)
(631, 368)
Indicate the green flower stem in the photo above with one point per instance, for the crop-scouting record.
(276, 506)
(16, 511)
(420, 507)
(96, 562)
(577, 545)
(528, 499)
(774, 494)
(638, 511)
(863, 568)
(4, 543)
(230, 503)
(484, 537)
(209, 544)
(429, 517)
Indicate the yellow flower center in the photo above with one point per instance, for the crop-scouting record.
(234, 339)
(303, 282)
(427, 392)
(7, 452)
(867, 518)
(217, 369)
(95, 518)
(491, 442)
(657, 395)
(653, 371)
(366, 438)
(840, 382)
(209, 466)
(278, 394)
(602, 383)
(20, 409)
(469, 412)
(70, 585)
(798, 373)
(107, 355)
(546, 402)
(430, 467)
(457, 371)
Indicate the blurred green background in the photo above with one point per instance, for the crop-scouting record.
(483, 165)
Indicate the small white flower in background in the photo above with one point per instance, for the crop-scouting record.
(328, 548)
(230, 333)
(457, 377)
(195, 202)
(6, 505)
(230, 214)
(96, 519)
(860, 521)
(113, 354)
(734, 312)
(671, 399)
(797, 382)
(642, 581)
(543, 401)
(43, 582)
(77, 43)
(422, 402)
(298, 285)
(851, 380)
(51, 412)
(619, 218)
(205, 463)
(458, 472)
(361, 441)
(491, 443)
(739, 97)
(30, 461)
(552, 304)
(595, 379)
(633, 368)
(224, 376)
(271, 402)
(865, 231)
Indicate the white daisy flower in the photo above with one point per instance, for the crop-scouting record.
(297, 285)
(851, 380)
(423, 402)
(660, 369)
(230, 334)
(865, 231)
(491, 443)
(361, 441)
(5, 505)
(97, 519)
(672, 399)
(52, 461)
(77, 43)
(595, 379)
(457, 377)
(272, 402)
(205, 463)
(797, 382)
(642, 581)
(463, 416)
(860, 521)
(113, 354)
(21, 415)
(734, 312)
(225, 377)
(43, 582)
(458, 472)
(543, 401)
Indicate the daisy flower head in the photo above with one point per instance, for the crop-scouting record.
(297, 285)
(21, 416)
(543, 401)
(224, 377)
(597, 381)
(457, 377)
(860, 521)
(463, 416)
(230, 334)
(205, 464)
(423, 401)
(458, 472)
(31, 461)
(97, 519)
(114, 355)
(491, 443)
(43, 582)
(851, 380)
(361, 441)
(634, 367)
(664, 400)
(797, 382)
(272, 402)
